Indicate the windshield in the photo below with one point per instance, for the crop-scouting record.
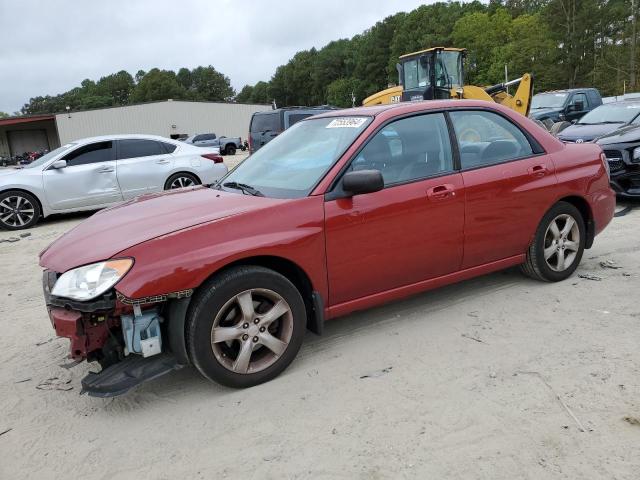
(548, 100)
(292, 164)
(45, 158)
(612, 113)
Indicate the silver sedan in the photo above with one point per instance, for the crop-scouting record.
(97, 172)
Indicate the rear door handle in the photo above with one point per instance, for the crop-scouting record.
(163, 161)
(441, 192)
(538, 170)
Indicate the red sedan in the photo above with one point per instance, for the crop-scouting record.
(343, 211)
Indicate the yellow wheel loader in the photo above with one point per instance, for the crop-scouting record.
(438, 74)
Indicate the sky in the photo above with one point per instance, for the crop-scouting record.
(50, 46)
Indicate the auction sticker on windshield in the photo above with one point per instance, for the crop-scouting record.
(347, 122)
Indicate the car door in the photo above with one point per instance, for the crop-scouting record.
(143, 166)
(411, 230)
(509, 184)
(88, 180)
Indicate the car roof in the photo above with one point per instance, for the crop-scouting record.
(567, 90)
(406, 107)
(124, 136)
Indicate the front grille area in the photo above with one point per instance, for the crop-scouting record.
(614, 158)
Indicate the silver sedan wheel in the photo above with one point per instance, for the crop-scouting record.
(251, 331)
(16, 211)
(561, 242)
(182, 182)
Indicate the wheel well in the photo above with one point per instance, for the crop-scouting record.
(26, 191)
(288, 269)
(585, 210)
(181, 173)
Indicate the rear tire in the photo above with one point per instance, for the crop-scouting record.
(18, 210)
(181, 180)
(230, 149)
(558, 245)
(245, 326)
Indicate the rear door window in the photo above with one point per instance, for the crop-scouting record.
(135, 148)
(294, 118)
(92, 153)
(264, 122)
(486, 138)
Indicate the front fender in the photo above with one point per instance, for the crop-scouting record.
(184, 259)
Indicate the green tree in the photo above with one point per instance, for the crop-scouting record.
(4, 115)
(339, 92)
(210, 85)
(245, 94)
(158, 85)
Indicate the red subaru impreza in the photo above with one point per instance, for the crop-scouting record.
(341, 212)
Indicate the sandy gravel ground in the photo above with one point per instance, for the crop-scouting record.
(491, 379)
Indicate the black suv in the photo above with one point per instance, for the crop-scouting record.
(265, 126)
(564, 105)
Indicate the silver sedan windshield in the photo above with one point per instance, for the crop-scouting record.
(292, 164)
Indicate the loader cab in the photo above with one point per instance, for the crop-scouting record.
(431, 74)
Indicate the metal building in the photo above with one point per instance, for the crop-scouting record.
(167, 118)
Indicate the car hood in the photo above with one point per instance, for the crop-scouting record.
(115, 229)
(587, 133)
(626, 134)
(542, 112)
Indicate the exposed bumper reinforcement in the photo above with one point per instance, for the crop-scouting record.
(128, 374)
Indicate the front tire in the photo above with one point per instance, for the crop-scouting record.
(558, 245)
(18, 210)
(245, 326)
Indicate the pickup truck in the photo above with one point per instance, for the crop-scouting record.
(561, 107)
(227, 145)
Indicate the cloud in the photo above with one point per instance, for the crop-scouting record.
(49, 47)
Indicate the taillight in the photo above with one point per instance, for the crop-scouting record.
(213, 156)
(250, 142)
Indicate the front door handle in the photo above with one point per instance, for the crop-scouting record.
(441, 192)
(106, 170)
(538, 170)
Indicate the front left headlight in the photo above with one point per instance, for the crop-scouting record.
(635, 157)
(91, 281)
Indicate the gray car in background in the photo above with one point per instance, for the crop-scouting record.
(98, 172)
(227, 145)
(267, 125)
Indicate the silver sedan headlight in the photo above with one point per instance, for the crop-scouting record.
(91, 281)
(636, 155)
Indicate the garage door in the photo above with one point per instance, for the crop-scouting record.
(21, 141)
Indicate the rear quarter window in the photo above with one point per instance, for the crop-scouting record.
(263, 122)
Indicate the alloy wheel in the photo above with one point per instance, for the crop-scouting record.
(16, 211)
(182, 182)
(561, 242)
(251, 331)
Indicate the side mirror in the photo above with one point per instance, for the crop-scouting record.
(59, 164)
(362, 181)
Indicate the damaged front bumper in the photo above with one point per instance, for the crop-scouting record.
(123, 335)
